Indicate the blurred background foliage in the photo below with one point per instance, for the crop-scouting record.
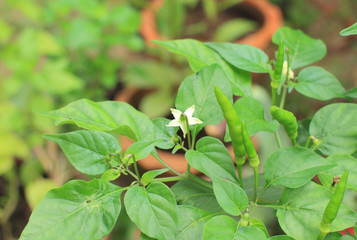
(53, 52)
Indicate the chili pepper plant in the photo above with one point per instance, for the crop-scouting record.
(218, 208)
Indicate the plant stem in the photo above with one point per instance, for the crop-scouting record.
(132, 174)
(283, 96)
(240, 174)
(265, 188)
(199, 180)
(156, 155)
(269, 206)
(322, 236)
(273, 96)
(256, 176)
(169, 179)
(277, 139)
(308, 142)
(136, 167)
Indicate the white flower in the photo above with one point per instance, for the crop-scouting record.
(181, 118)
(285, 70)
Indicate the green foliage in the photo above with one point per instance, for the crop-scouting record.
(222, 206)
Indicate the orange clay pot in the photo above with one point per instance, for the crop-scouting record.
(176, 161)
(272, 16)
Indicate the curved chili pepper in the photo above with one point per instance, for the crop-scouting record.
(287, 119)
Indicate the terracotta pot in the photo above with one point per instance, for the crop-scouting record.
(176, 161)
(272, 16)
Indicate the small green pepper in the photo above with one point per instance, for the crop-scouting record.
(287, 119)
(278, 69)
(249, 147)
(333, 206)
(234, 125)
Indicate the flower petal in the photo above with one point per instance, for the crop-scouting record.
(174, 123)
(189, 111)
(193, 121)
(176, 113)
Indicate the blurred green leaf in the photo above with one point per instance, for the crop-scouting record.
(36, 190)
(351, 30)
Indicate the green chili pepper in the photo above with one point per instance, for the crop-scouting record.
(336, 200)
(287, 119)
(333, 206)
(234, 125)
(278, 69)
(249, 147)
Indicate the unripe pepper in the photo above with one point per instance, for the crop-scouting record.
(287, 119)
(278, 69)
(333, 206)
(234, 125)
(249, 147)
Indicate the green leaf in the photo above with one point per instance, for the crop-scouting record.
(230, 196)
(188, 192)
(225, 228)
(150, 175)
(251, 111)
(294, 166)
(243, 56)
(343, 162)
(335, 127)
(164, 133)
(200, 56)
(234, 29)
(212, 158)
(83, 33)
(303, 210)
(303, 50)
(86, 150)
(37, 189)
(352, 93)
(303, 132)
(77, 210)
(141, 149)
(110, 116)
(145, 237)
(198, 90)
(157, 104)
(316, 82)
(153, 210)
(256, 222)
(191, 222)
(281, 237)
(351, 30)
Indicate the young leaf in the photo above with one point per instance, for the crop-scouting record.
(335, 127)
(351, 30)
(188, 192)
(141, 149)
(164, 133)
(191, 222)
(343, 162)
(87, 150)
(316, 82)
(294, 166)
(212, 158)
(198, 90)
(230, 196)
(251, 111)
(304, 207)
(225, 228)
(200, 56)
(243, 56)
(150, 175)
(107, 116)
(153, 210)
(75, 211)
(303, 50)
(352, 93)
